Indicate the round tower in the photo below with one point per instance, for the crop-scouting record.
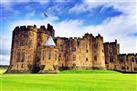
(49, 57)
(24, 43)
(99, 59)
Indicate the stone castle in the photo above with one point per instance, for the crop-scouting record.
(37, 50)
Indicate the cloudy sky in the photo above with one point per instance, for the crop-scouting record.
(113, 19)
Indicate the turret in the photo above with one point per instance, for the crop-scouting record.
(49, 57)
(99, 59)
(24, 43)
(50, 29)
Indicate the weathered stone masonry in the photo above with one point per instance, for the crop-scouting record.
(37, 50)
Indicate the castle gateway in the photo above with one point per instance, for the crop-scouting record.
(37, 50)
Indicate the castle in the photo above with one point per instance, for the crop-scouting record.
(37, 50)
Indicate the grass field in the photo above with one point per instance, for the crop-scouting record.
(74, 80)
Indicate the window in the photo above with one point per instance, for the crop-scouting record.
(111, 60)
(49, 55)
(55, 55)
(102, 50)
(43, 56)
(95, 57)
(21, 65)
(133, 60)
(86, 59)
(106, 62)
(18, 56)
(123, 68)
(17, 66)
(87, 51)
(121, 60)
(74, 65)
(78, 43)
(59, 54)
(22, 56)
(135, 68)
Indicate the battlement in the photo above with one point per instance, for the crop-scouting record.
(129, 54)
(63, 38)
(42, 27)
(111, 43)
(99, 37)
(87, 35)
(26, 28)
(49, 30)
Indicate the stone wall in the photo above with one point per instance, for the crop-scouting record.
(30, 55)
(111, 50)
(49, 60)
(80, 53)
(127, 63)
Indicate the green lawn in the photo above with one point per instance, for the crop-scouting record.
(79, 80)
(89, 72)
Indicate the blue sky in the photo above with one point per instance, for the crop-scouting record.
(112, 19)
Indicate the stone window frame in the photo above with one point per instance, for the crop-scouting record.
(55, 55)
(86, 59)
(49, 54)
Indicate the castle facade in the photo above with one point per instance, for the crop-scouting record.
(37, 50)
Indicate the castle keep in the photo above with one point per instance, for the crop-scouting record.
(37, 50)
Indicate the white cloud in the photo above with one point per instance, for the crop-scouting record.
(4, 60)
(5, 46)
(5, 42)
(49, 19)
(117, 27)
(112, 28)
(90, 4)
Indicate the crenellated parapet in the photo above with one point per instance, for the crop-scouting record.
(26, 28)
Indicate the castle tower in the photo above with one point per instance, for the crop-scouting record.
(71, 63)
(42, 37)
(85, 51)
(99, 58)
(111, 55)
(50, 30)
(23, 50)
(49, 57)
(62, 45)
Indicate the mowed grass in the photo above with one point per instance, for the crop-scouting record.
(89, 72)
(70, 80)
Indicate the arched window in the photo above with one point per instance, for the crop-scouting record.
(55, 55)
(49, 55)
(86, 59)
